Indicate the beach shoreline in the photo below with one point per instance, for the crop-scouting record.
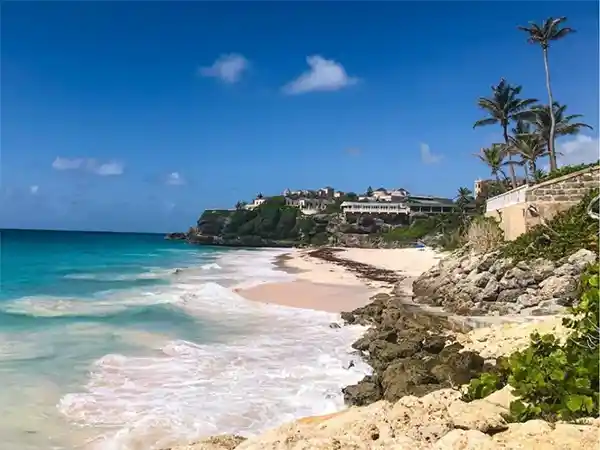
(339, 279)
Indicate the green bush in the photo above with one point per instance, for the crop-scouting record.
(563, 235)
(552, 380)
(417, 230)
(566, 170)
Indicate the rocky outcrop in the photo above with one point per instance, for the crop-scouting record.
(411, 352)
(176, 236)
(436, 421)
(488, 284)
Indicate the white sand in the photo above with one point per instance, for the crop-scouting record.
(325, 286)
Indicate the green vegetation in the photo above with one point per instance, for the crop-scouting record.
(566, 170)
(564, 234)
(536, 125)
(272, 220)
(554, 380)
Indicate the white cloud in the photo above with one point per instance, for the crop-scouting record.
(579, 149)
(90, 165)
(428, 157)
(228, 68)
(34, 189)
(175, 179)
(105, 169)
(67, 164)
(324, 75)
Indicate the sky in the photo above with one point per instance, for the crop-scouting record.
(135, 116)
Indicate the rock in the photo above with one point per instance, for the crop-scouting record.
(500, 266)
(581, 258)
(490, 292)
(404, 378)
(542, 269)
(434, 344)
(527, 300)
(365, 392)
(465, 440)
(334, 325)
(478, 415)
(563, 288)
(509, 295)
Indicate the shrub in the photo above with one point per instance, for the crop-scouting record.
(484, 235)
(562, 235)
(552, 380)
(566, 170)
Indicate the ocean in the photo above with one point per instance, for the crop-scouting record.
(114, 341)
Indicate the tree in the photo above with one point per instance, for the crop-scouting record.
(529, 147)
(504, 107)
(494, 157)
(549, 30)
(259, 195)
(369, 191)
(562, 122)
(240, 205)
(464, 196)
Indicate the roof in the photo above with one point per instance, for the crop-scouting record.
(427, 200)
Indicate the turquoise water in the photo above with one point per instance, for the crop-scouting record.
(129, 341)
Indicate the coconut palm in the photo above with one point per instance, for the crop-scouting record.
(464, 196)
(562, 123)
(504, 107)
(494, 157)
(529, 147)
(549, 30)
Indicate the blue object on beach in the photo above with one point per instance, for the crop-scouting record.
(420, 245)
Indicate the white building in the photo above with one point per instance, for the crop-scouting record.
(257, 202)
(375, 208)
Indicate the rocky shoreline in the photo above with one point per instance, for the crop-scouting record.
(421, 357)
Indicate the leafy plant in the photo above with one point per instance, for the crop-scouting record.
(484, 385)
(554, 380)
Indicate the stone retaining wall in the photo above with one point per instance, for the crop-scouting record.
(568, 188)
(544, 200)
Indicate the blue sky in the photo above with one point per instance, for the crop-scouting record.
(136, 116)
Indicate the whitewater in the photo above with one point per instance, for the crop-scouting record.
(143, 344)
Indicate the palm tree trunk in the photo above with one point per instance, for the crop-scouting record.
(551, 151)
(526, 172)
(513, 176)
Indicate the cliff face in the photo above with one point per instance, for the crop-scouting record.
(274, 224)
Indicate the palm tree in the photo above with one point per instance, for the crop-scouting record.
(549, 30)
(259, 195)
(464, 196)
(240, 205)
(494, 157)
(562, 122)
(530, 147)
(504, 107)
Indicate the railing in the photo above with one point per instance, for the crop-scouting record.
(507, 199)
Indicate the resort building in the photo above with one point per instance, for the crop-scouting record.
(255, 203)
(375, 208)
(309, 206)
(426, 204)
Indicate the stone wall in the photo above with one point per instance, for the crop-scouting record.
(553, 196)
(568, 188)
(544, 200)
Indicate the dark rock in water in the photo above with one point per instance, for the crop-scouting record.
(334, 325)
(176, 236)
(365, 392)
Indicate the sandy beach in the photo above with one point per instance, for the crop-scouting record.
(327, 286)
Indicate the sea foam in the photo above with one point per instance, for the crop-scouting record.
(284, 364)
